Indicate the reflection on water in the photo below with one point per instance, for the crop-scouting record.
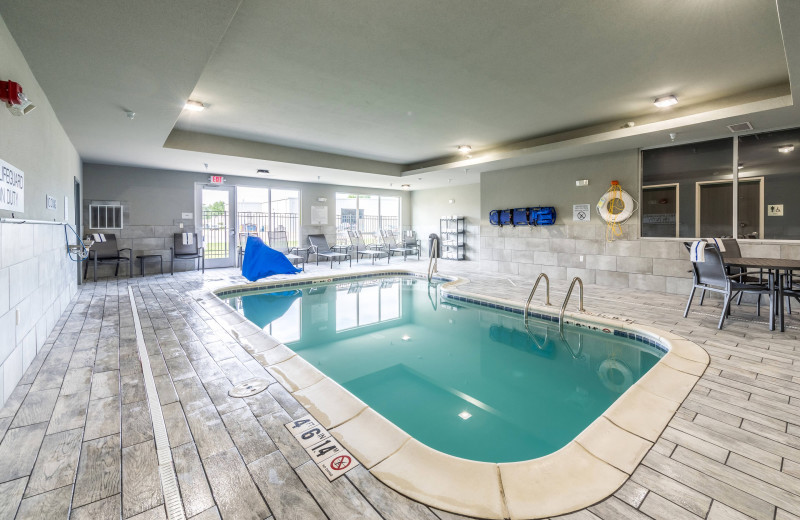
(463, 379)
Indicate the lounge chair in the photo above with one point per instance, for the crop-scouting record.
(105, 251)
(320, 248)
(279, 242)
(361, 249)
(186, 251)
(393, 247)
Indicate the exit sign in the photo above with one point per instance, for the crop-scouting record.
(216, 179)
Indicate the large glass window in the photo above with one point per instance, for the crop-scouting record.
(774, 158)
(260, 210)
(366, 213)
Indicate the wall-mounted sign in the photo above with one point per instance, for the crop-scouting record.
(50, 202)
(581, 213)
(319, 215)
(216, 179)
(775, 210)
(12, 188)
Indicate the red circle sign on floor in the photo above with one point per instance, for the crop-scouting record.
(341, 462)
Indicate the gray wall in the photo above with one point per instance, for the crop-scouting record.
(36, 277)
(428, 206)
(568, 248)
(154, 200)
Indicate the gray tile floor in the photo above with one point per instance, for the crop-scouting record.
(76, 439)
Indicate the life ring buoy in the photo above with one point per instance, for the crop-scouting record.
(615, 375)
(627, 210)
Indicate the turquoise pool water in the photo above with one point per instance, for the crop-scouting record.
(464, 379)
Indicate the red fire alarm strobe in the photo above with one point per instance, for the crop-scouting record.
(16, 101)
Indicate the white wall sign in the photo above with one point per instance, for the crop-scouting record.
(12, 188)
(50, 202)
(775, 210)
(581, 213)
(319, 215)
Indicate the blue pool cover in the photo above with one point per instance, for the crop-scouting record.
(261, 261)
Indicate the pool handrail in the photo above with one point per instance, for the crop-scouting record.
(434, 260)
(566, 301)
(533, 291)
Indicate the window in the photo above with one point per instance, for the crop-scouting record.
(694, 190)
(260, 210)
(366, 213)
(105, 216)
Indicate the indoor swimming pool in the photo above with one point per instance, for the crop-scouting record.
(465, 378)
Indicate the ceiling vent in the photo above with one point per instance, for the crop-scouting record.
(740, 127)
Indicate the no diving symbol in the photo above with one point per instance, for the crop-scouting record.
(581, 215)
(341, 462)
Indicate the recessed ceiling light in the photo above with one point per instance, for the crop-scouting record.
(464, 148)
(194, 106)
(465, 415)
(666, 101)
(786, 149)
(405, 186)
(263, 172)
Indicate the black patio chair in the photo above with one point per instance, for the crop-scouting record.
(710, 275)
(279, 242)
(105, 251)
(320, 248)
(181, 251)
(361, 249)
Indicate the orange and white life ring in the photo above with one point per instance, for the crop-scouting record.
(628, 206)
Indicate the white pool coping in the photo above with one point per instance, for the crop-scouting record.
(585, 471)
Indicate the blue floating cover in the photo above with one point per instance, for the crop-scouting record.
(494, 217)
(542, 216)
(261, 261)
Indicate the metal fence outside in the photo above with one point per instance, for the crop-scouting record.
(369, 225)
(217, 235)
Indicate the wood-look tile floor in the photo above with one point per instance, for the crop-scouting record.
(76, 439)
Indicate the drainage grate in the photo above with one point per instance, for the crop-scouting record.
(249, 387)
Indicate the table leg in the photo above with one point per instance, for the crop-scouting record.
(771, 282)
(780, 299)
(141, 266)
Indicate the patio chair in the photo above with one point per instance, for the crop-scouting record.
(186, 251)
(393, 247)
(320, 248)
(410, 239)
(361, 249)
(710, 275)
(279, 242)
(242, 245)
(105, 251)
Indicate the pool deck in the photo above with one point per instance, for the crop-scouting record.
(77, 438)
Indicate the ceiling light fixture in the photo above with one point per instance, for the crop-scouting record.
(263, 172)
(194, 106)
(666, 101)
(405, 186)
(464, 148)
(786, 149)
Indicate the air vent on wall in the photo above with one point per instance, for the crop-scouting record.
(740, 127)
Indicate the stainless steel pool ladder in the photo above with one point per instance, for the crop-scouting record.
(533, 291)
(434, 260)
(566, 301)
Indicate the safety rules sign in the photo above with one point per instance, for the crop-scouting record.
(12, 188)
(324, 450)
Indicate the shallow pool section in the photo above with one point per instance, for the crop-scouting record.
(464, 379)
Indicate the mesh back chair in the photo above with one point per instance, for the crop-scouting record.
(711, 276)
(320, 248)
(108, 253)
(279, 242)
(361, 249)
(393, 247)
(410, 239)
(181, 251)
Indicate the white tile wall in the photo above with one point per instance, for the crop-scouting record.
(38, 279)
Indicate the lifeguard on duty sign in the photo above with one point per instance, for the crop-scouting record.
(326, 451)
(12, 187)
